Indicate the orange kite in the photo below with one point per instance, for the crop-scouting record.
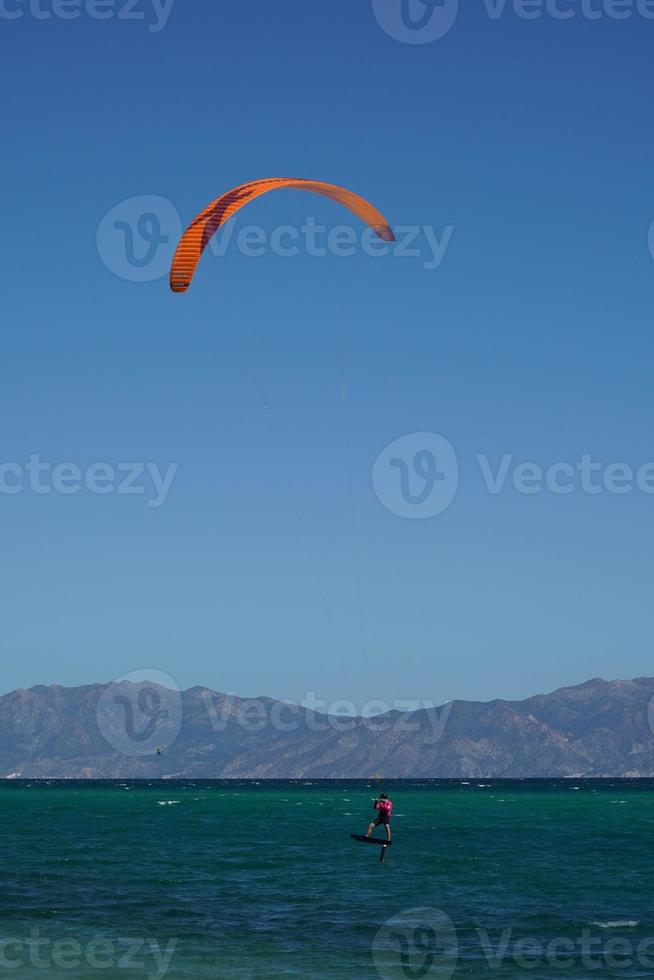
(195, 239)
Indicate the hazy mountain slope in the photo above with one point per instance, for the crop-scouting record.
(595, 729)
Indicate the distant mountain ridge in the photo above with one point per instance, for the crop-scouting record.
(600, 728)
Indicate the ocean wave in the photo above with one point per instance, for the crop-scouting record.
(617, 924)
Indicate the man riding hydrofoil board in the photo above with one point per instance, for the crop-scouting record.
(384, 808)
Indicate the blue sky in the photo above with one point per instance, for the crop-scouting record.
(273, 567)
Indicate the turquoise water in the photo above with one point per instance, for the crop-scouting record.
(241, 880)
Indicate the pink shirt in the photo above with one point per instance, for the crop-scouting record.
(385, 805)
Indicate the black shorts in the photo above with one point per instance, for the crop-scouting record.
(382, 818)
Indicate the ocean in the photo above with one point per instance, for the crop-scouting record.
(261, 880)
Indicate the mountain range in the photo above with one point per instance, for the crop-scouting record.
(126, 730)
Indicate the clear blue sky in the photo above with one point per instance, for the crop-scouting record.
(273, 568)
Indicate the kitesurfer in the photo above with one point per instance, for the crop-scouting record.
(384, 808)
